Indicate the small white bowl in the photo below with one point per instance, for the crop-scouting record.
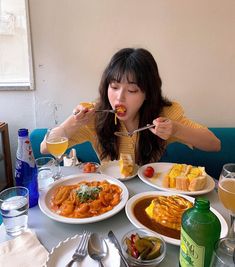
(95, 165)
(138, 262)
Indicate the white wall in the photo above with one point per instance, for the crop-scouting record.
(193, 43)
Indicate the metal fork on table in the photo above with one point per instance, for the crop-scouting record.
(81, 251)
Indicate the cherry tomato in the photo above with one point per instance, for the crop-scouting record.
(149, 172)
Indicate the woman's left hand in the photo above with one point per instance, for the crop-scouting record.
(164, 128)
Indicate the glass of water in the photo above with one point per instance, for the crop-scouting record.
(224, 253)
(46, 171)
(14, 205)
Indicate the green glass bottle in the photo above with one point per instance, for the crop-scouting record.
(200, 229)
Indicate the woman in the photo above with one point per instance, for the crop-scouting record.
(131, 82)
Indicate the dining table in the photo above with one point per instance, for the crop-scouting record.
(51, 232)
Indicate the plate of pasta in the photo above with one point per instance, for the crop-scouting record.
(83, 198)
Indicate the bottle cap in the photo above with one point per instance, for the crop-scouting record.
(23, 132)
(202, 203)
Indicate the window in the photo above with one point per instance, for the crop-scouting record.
(15, 49)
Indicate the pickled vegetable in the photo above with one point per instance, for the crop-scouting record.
(144, 248)
(142, 244)
(155, 252)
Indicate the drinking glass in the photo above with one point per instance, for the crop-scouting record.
(57, 143)
(14, 205)
(226, 191)
(45, 166)
(223, 255)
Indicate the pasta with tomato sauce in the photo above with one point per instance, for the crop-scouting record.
(85, 199)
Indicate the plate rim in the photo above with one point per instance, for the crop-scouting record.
(116, 164)
(169, 240)
(210, 181)
(84, 176)
(74, 237)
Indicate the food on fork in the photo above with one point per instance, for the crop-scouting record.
(168, 210)
(126, 165)
(185, 177)
(120, 111)
(88, 105)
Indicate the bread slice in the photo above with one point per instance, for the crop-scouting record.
(177, 170)
(126, 165)
(197, 183)
(185, 177)
(182, 183)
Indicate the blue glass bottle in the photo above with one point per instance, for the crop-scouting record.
(25, 168)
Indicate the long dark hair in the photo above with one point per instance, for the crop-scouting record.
(140, 65)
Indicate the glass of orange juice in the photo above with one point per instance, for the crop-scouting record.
(226, 191)
(57, 143)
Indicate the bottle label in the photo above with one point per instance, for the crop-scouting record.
(25, 153)
(191, 254)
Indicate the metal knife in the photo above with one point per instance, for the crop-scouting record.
(114, 240)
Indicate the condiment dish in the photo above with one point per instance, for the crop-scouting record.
(142, 247)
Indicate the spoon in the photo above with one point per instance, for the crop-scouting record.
(97, 248)
(135, 131)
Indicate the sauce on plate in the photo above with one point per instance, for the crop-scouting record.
(142, 217)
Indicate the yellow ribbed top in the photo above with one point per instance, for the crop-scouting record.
(128, 144)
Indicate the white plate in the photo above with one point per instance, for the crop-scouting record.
(132, 201)
(162, 168)
(45, 197)
(62, 254)
(112, 169)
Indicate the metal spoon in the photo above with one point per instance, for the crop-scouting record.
(135, 131)
(97, 248)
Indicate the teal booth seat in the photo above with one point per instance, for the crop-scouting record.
(85, 151)
(212, 161)
(175, 152)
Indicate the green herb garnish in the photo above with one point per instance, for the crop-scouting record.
(86, 192)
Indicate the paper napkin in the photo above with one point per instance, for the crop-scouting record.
(24, 250)
(71, 159)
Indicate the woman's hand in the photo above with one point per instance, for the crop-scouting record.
(164, 128)
(82, 115)
(201, 138)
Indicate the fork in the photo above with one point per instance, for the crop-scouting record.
(135, 131)
(98, 110)
(106, 110)
(81, 251)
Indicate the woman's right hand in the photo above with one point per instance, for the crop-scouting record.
(82, 115)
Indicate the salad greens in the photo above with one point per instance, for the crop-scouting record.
(86, 192)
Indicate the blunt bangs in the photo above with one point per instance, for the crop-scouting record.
(125, 69)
